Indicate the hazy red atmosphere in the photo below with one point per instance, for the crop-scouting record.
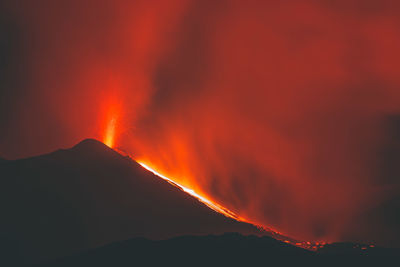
(286, 112)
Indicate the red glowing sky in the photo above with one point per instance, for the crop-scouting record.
(286, 112)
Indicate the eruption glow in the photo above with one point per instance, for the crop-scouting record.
(230, 214)
(112, 116)
(110, 133)
(212, 205)
(285, 112)
(109, 140)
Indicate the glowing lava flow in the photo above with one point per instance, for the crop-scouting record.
(222, 210)
(191, 192)
(230, 214)
(109, 140)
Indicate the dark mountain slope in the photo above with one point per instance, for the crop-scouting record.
(60, 203)
(230, 249)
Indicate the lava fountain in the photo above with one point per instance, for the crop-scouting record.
(109, 136)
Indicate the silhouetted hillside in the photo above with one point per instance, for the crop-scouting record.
(70, 200)
(230, 249)
(79, 199)
(341, 249)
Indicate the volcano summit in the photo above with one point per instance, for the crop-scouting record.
(72, 201)
(79, 198)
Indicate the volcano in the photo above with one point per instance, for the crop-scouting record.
(90, 195)
(92, 206)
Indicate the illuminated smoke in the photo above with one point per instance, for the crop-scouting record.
(276, 109)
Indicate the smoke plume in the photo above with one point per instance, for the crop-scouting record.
(283, 111)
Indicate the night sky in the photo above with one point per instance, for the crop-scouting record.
(287, 112)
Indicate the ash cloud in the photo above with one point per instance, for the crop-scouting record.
(285, 112)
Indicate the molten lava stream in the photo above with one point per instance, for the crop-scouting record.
(226, 212)
(216, 207)
(211, 204)
(113, 114)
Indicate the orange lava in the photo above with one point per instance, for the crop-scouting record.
(212, 205)
(226, 212)
(109, 140)
(230, 214)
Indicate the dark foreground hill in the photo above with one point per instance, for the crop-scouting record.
(210, 250)
(87, 196)
(230, 249)
(60, 209)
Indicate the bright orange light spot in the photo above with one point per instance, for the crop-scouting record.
(109, 137)
(111, 120)
(209, 203)
(228, 213)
